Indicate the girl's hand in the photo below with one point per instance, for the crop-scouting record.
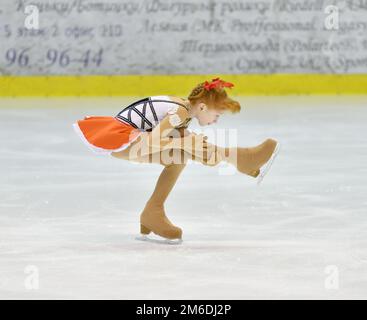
(197, 144)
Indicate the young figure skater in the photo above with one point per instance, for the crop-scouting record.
(154, 130)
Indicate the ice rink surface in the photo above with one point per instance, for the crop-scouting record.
(68, 217)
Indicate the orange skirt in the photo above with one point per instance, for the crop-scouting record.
(104, 135)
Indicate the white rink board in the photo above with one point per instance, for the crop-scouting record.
(182, 37)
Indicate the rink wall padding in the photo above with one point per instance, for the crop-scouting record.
(146, 85)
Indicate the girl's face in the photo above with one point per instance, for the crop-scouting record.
(208, 116)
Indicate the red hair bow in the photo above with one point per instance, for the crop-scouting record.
(217, 83)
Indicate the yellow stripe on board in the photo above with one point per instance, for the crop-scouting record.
(181, 85)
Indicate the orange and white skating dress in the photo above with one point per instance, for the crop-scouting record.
(107, 134)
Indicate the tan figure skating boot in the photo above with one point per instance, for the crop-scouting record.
(250, 160)
(153, 218)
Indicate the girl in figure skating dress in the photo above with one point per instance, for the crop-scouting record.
(154, 130)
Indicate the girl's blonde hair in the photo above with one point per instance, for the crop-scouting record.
(215, 98)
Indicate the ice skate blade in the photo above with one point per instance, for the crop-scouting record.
(265, 168)
(144, 237)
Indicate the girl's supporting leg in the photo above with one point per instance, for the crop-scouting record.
(153, 217)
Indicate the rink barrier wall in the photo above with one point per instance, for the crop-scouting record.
(147, 85)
